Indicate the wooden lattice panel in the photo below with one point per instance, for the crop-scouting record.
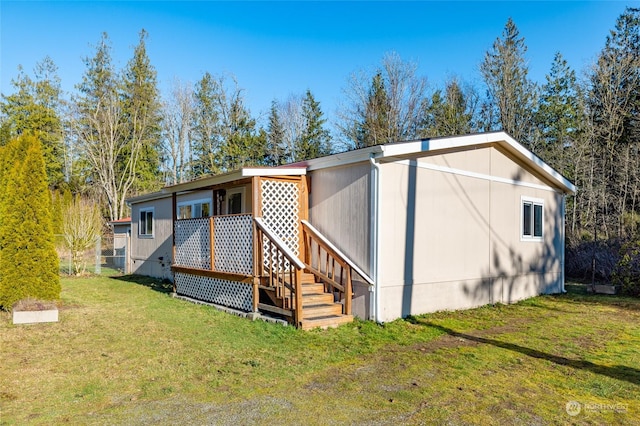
(221, 292)
(281, 212)
(193, 243)
(233, 243)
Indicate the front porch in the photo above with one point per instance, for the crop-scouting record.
(265, 260)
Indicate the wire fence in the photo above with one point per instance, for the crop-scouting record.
(107, 255)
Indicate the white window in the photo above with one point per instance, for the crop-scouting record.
(532, 221)
(194, 209)
(145, 224)
(235, 200)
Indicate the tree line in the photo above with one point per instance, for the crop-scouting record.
(117, 136)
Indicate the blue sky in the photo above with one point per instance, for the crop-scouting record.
(280, 48)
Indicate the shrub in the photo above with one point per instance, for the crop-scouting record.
(28, 259)
(580, 255)
(627, 271)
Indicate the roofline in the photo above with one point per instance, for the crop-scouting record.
(234, 175)
(378, 153)
(396, 149)
(342, 159)
(244, 172)
(122, 221)
(147, 197)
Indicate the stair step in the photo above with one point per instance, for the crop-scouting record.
(321, 310)
(315, 288)
(316, 299)
(326, 321)
(307, 278)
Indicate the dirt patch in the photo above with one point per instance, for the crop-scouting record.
(183, 411)
(444, 342)
(6, 396)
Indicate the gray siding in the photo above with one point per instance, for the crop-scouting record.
(151, 255)
(339, 207)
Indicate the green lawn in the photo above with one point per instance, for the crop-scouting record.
(124, 352)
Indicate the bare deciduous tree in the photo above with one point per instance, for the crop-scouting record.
(385, 106)
(177, 115)
(116, 121)
(81, 227)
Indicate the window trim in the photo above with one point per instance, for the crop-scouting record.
(238, 190)
(193, 203)
(533, 202)
(153, 227)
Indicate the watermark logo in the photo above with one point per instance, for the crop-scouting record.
(573, 408)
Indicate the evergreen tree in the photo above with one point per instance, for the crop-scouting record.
(206, 134)
(28, 260)
(614, 103)
(559, 116)
(374, 128)
(451, 113)
(141, 108)
(384, 108)
(314, 141)
(36, 107)
(275, 154)
(117, 123)
(511, 94)
(243, 145)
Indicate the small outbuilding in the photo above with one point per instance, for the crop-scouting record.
(118, 255)
(380, 233)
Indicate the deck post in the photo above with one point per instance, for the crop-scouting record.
(174, 217)
(256, 209)
(348, 293)
(298, 287)
(212, 243)
(303, 197)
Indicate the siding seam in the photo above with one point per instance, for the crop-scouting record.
(414, 163)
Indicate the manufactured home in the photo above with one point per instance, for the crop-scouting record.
(380, 233)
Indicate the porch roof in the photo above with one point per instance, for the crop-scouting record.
(221, 179)
(233, 176)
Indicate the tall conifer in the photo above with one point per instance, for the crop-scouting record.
(28, 260)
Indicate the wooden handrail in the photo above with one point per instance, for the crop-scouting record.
(310, 229)
(279, 243)
(323, 265)
(286, 281)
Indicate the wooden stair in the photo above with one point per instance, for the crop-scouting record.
(318, 307)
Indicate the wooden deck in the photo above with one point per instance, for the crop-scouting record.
(268, 260)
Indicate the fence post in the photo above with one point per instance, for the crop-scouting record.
(98, 270)
(127, 266)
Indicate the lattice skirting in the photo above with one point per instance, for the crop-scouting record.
(221, 292)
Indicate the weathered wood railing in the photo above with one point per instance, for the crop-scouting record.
(330, 265)
(282, 268)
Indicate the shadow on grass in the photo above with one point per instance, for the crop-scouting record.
(619, 372)
(155, 284)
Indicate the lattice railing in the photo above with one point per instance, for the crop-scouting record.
(193, 243)
(233, 243)
(220, 292)
(281, 213)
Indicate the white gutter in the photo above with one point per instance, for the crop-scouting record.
(564, 241)
(374, 290)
